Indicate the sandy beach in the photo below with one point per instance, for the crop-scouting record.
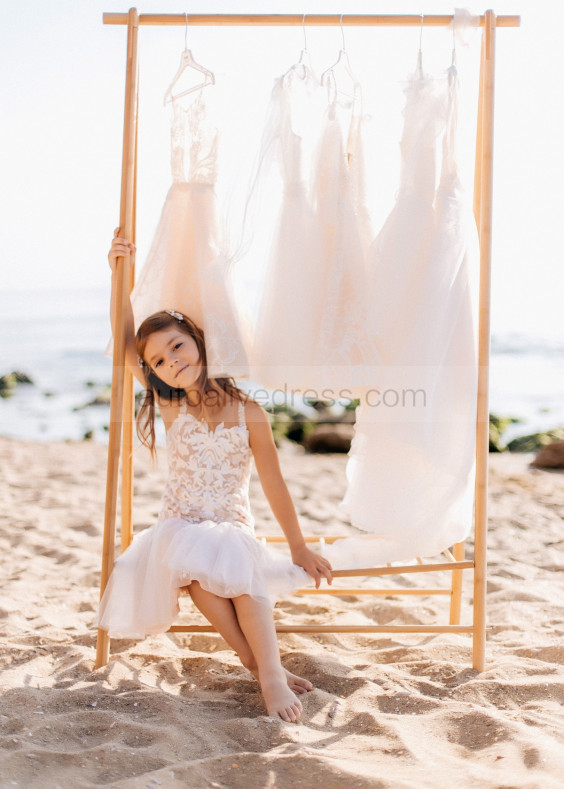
(403, 711)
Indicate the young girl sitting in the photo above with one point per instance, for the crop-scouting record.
(204, 539)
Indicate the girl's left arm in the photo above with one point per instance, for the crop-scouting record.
(276, 491)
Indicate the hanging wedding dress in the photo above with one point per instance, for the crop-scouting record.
(289, 312)
(410, 471)
(344, 344)
(311, 331)
(188, 266)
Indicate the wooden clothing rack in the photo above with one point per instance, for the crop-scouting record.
(122, 401)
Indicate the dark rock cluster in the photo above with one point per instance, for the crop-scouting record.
(9, 381)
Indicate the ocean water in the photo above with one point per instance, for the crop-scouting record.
(58, 338)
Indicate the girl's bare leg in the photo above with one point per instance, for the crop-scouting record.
(257, 624)
(220, 612)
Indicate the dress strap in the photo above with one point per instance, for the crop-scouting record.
(242, 423)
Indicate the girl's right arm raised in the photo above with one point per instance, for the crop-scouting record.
(121, 248)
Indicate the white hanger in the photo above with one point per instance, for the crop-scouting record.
(303, 66)
(187, 62)
(341, 62)
(420, 54)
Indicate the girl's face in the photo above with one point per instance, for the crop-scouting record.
(173, 357)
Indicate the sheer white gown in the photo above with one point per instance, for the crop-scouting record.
(188, 265)
(311, 331)
(205, 532)
(410, 471)
(289, 312)
(345, 343)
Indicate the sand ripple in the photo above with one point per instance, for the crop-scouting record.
(178, 711)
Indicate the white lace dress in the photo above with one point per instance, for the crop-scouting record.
(205, 532)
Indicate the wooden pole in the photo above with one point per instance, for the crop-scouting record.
(127, 461)
(294, 20)
(129, 393)
(456, 586)
(479, 147)
(117, 397)
(482, 422)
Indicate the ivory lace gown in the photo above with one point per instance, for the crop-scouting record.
(205, 532)
(188, 265)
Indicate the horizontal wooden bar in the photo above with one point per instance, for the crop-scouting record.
(307, 538)
(362, 591)
(371, 591)
(332, 538)
(396, 569)
(311, 20)
(281, 628)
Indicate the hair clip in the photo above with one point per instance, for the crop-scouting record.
(174, 314)
(140, 362)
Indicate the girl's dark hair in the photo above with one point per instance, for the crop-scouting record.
(210, 388)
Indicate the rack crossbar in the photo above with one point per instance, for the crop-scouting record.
(309, 20)
(401, 569)
(372, 591)
(282, 628)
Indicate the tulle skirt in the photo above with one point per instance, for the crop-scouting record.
(141, 597)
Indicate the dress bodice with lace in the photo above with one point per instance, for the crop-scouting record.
(209, 472)
(194, 140)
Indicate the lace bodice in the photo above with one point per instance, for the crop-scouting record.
(194, 142)
(209, 472)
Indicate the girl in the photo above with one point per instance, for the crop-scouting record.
(205, 535)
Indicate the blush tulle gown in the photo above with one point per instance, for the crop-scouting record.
(188, 267)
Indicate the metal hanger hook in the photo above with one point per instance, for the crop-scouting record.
(421, 31)
(186, 31)
(304, 32)
(420, 53)
(342, 33)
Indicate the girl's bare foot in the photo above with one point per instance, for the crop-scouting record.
(297, 684)
(280, 701)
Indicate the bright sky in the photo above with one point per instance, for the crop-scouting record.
(62, 111)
